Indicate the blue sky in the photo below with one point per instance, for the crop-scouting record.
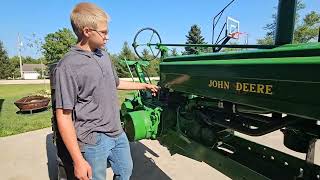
(171, 18)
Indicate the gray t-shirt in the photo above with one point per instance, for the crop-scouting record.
(86, 82)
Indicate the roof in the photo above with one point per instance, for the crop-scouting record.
(32, 67)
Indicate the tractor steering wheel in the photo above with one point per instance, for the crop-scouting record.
(148, 43)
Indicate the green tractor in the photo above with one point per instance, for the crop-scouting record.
(206, 98)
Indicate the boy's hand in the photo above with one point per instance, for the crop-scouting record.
(153, 88)
(82, 170)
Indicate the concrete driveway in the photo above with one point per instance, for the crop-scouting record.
(31, 156)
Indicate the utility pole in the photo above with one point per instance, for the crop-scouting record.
(19, 54)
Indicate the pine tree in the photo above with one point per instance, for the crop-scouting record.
(146, 54)
(118, 60)
(126, 52)
(194, 37)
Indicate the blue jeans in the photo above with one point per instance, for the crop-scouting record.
(116, 150)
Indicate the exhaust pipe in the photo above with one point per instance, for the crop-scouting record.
(285, 21)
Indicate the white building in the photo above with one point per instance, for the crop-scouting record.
(31, 71)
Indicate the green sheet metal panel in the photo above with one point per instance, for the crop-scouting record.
(282, 84)
(289, 50)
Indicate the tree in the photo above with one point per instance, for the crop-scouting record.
(308, 30)
(126, 52)
(194, 37)
(153, 69)
(174, 52)
(4, 62)
(304, 32)
(30, 60)
(271, 27)
(26, 60)
(267, 40)
(118, 60)
(35, 42)
(233, 49)
(57, 44)
(119, 65)
(14, 66)
(146, 54)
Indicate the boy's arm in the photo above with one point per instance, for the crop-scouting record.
(68, 134)
(127, 85)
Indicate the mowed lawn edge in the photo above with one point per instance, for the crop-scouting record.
(13, 122)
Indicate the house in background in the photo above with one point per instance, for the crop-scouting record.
(32, 71)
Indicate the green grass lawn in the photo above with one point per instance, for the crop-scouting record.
(12, 122)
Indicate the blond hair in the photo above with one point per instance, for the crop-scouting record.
(87, 15)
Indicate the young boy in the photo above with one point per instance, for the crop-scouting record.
(87, 107)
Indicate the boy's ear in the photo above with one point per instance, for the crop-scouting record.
(86, 32)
